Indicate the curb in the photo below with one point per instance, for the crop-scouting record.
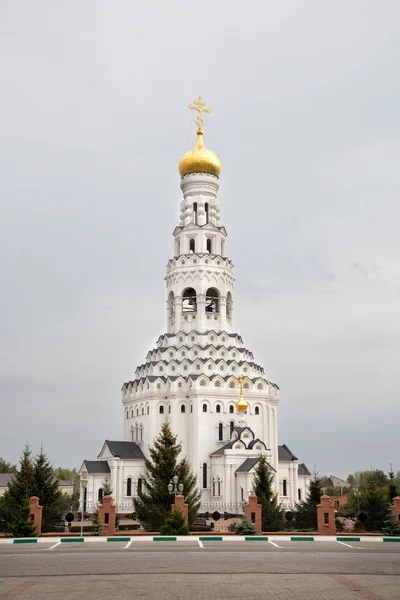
(193, 538)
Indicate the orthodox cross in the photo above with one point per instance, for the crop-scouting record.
(201, 107)
(240, 380)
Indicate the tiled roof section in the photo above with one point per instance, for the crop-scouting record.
(5, 479)
(302, 470)
(248, 464)
(97, 466)
(65, 483)
(227, 446)
(284, 454)
(126, 450)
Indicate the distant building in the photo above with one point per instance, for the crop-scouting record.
(66, 486)
(5, 479)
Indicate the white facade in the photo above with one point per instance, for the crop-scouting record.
(190, 377)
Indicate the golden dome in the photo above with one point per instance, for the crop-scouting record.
(200, 159)
(241, 404)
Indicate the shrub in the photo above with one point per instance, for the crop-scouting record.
(245, 528)
(174, 524)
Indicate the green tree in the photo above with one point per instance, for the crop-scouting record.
(190, 490)
(107, 489)
(153, 503)
(391, 524)
(6, 467)
(47, 490)
(244, 527)
(305, 514)
(21, 524)
(271, 511)
(174, 524)
(96, 523)
(393, 489)
(23, 484)
(374, 503)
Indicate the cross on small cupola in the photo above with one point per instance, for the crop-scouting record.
(201, 107)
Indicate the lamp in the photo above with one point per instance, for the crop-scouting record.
(84, 483)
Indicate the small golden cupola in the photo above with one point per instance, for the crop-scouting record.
(200, 159)
(241, 404)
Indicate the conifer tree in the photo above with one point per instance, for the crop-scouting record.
(153, 503)
(96, 523)
(21, 525)
(374, 503)
(271, 511)
(47, 490)
(391, 524)
(23, 484)
(305, 517)
(174, 524)
(107, 489)
(190, 490)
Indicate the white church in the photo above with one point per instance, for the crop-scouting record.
(200, 376)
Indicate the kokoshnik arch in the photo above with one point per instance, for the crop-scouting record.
(200, 376)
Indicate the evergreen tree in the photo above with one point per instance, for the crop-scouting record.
(96, 523)
(271, 511)
(174, 524)
(190, 490)
(391, 524)
(153, 502)
(244, 527)
(374, 503)
(6, 467)
(23, 484)
(393, 491)
(305, 514)
(47, 490)
(107, 489)
(21, 524)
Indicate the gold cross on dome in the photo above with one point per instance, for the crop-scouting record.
(240, 380)
(201, 107)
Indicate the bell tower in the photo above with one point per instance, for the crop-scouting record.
(199, 277)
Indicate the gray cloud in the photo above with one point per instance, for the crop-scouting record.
(305, 119)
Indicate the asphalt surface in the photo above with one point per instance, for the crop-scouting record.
(185, 570)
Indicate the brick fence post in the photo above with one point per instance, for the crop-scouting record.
(252, 510)
(396, 508)
(181, 505)
(326, 517)
(35, 514)
(107, 512)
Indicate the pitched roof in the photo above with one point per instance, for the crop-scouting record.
(248, 464)
(302, 470)
(97, 466)
(227, 446)
(127, 450)
(65, 482)
(5, 479)
(284, 454)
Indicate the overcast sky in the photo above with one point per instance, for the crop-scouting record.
(93, 108)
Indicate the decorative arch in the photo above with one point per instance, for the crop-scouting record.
(189, 300)
(212, 300)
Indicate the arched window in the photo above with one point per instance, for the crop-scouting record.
(257, 410)
(284, 487)
(232, 385)
(141, 433)
(219, 486)
(139, 485)
(142, 410)
(218, 383)
(169, 408)
(231, 409)
(212, 300)
(231, 427)
(183, 408)
(148, 410)
(100, 495)
(218, 408)
(161, 410)
(213, 487)
(171, 304)
(242, 494)
(195, 213)
(198, 368)
(209, 245)
(204, 475)
(127, 414)
(220, 432)
(206, 210)
(129, 487)
(260, 386)
(204, 407)
(191, 246)
(203, 382)
(189, 303)
(299, 494)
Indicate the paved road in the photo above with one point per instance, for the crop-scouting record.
(184, 570)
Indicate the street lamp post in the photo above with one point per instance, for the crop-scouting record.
(174, 487)
(84, 483)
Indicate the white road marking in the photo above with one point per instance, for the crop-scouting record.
(55, 546)
(200, 544)
(128, 544)
(348, 545)
(276, 545)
